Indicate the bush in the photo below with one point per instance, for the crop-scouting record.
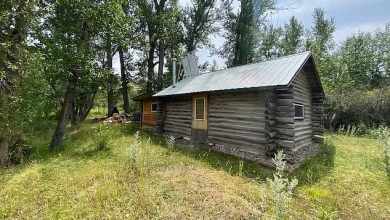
(383, 133)
(281, 190)
(362, 109)
(19, 152)
(103, 140)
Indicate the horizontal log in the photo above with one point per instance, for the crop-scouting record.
(237, 117)
(177, 116)
(285, 114)
(270, 140)
(318, 138)
(284, 143)
(284, 120)
(270, 123)
(271, 134)
(237, 136)
(283, 102)
(270, 105)
(286, 126)
(239, 126)
(285, 131)
(269, 112)
(233, 122)
(270, 146)
(230, 133)
(307, 137)
(284, 137)
(285, 109)
(269, 117)
(285, 91)
(285, 96)
(303, 143)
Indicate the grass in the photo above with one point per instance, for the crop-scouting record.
(346, 180)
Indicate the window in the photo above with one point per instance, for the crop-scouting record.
(154, 107)
(299, 111)
(199, 109)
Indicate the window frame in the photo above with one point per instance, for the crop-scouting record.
(151, 106)
(204, 109)
(303, 111)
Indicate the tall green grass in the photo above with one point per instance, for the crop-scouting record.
(141, 176)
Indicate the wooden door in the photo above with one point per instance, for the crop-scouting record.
(200, 112)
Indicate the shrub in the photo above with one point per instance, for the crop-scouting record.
(357, 108)
(281, 190)
(134, 148)
(170, 142)
(103, 139)
(383, 133)
(20, 152)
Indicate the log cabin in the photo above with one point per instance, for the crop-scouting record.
(149, 109)
(257, 108)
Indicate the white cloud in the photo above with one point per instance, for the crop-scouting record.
(341, 33)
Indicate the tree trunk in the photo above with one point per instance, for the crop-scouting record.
(152, 48)
(161, 55)
(110, 100)
(4, 158)
(126, 104)
(58, 137)
(110, 90)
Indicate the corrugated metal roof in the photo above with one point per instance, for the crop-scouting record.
(272, 73)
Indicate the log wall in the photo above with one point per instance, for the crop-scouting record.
(303, 128)
(178, 115)
(237, 120)
(284, 118)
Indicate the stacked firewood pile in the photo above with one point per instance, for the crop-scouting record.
(117, 119)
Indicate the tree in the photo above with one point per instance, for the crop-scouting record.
(322, 36)
(15, 20)
(199, 23)
(66, 36)
(293, 33)
(358, 55)
(242, 29)
(270, 42)
(320, 41)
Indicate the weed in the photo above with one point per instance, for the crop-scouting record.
(325, 213)
(281, 189)
(170, 143)
(240, 167)
(103, 139)
(134, 149)
(383, 133)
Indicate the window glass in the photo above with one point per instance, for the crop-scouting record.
(154, 107)
(199, 108)
(299, 111)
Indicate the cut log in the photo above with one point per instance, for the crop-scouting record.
(270, 105)
(284, 143)
(271, 134)
(269, 112)
(270, 123)
(269, 117)
(271, 146)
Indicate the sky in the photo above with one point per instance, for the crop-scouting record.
(351, 16)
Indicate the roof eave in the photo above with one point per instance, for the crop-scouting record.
(310, 56)
(228, 90)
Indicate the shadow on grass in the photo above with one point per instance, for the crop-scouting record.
(311, 171)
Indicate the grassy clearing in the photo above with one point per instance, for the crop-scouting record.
(347, 181)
